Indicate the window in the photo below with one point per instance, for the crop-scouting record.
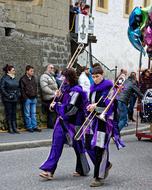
(146, 3)
(128, 7)
(8, 31)
(102, 5)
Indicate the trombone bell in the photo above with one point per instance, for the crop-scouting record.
(101, 116)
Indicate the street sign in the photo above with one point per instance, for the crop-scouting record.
(82, 24)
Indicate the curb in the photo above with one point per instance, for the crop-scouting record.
(133, 131)
(24, 144)
(47, 142)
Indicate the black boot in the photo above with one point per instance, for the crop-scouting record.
(9, 126)
(14, 127)
(130, 115)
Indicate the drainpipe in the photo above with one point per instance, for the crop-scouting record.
(91, 5)
(116, 70)
(90, 47)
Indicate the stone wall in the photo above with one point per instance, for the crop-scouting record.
(36, 51)
(33, 32)
(41, 16)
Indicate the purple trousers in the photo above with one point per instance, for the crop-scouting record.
(59, 139)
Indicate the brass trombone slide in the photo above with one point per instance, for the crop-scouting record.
(70, 64)
(89, 119)
(75, 55)
(102, 115)
(83, 128)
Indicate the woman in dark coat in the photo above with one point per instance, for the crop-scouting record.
(10, 93)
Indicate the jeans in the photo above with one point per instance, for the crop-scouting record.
(29, 110)
(123, 115)
(131, 106)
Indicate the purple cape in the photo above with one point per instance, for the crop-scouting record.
(103, 85)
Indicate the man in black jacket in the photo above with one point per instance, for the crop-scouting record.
(123, 98)
(29, 96)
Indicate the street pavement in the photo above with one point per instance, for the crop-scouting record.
(36, 139)
(132, 169)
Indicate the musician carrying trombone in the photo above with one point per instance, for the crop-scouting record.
(98, 135)
(70, 107)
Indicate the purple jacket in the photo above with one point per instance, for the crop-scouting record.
(72, 112)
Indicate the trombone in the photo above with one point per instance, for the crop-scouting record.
(70, 64)
(86, 123)
(119, 82)
(103, 114)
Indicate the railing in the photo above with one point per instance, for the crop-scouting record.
(109, 73)
(84, 60)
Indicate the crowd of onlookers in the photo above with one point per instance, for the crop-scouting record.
(127, 99)
(80, 7)
(25, 91)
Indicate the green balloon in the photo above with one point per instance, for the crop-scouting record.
(144, 12)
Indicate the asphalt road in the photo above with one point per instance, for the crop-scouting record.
(132, 169)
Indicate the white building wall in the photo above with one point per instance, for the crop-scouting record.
(113, 47)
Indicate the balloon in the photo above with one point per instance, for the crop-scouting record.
(148, 36)
(144, 13)
(135, 39)
(135, 17)
(140, 28)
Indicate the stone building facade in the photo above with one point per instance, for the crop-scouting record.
(34, 32)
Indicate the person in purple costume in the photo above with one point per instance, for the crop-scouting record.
(98, 135)
(70, 108)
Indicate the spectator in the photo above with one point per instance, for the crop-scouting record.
(76, 8)
(29, 96)
(86, 10)
(79, 69)
(82, 6)
(71, 9)
(48, 86)
(10, 94)
(133, 99)
(145, 80)
(129, 87)
(84, 80)
(58, 76)
(122, 71)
